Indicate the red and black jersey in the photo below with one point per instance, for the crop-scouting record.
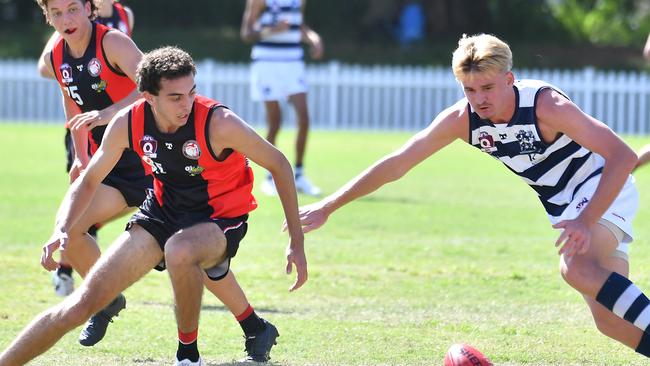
(190, 180)
(94, 84)
(118, 20)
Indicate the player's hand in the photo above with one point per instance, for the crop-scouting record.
(296, 256)
(56, 241)
(575, 237)
(311, 217)
(88, 120)
(76, 169)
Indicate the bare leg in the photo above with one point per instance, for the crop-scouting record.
(82, 250)
(644, 156)
(228, 291)
(273, 119)
(299, 102)
(587, 273)
(132, 255)
(187, 253)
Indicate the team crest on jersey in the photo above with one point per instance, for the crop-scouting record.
(526, 140)
(100, 86)
(94, 67)
(149, 146)
(66, 73)
(194, 170)
(191, 150)
(486, 141)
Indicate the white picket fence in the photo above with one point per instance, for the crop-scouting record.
(356, 97)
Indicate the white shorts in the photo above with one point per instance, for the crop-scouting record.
(618, 216)
(277, 80)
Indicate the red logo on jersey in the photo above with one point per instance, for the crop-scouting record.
(486, 142)
(94, 67)
(66, 73)
(191, 150)
(149, 146)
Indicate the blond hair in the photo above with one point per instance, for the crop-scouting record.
(480, 53)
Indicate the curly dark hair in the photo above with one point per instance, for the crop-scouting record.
(166, 62)
(93, 7)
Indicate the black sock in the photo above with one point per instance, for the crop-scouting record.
(187, 351)
(64, 268)
(250, 323)
(644, 345)
(297, 170)
(624, 299)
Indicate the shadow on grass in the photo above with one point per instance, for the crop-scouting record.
(218, 308)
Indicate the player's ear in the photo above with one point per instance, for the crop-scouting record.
(148, 97)
(510, 78)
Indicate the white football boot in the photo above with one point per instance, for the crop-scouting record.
(187, 362)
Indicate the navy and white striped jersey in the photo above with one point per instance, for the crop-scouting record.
(284, 46)
(555, 171)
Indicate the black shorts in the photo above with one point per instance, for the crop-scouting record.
(134, 189)
(151, 218)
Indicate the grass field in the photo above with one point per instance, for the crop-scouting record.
(458, 251)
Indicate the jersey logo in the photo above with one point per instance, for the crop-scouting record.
(191, 150)
(149, 146)
(486, 142)
(94, 67)
(169, 145)
(100, 86)
(66, 73)
(194, 170)
(80, 68)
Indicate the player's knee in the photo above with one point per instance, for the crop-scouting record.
(178, 253)
(577, 273)
(73, 314)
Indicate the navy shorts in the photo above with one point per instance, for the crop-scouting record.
(151, 218)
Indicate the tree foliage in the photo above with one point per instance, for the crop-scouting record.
(604, 22)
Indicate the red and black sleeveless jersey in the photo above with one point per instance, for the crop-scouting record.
(94, 84)
(118, 20)
(190, 180)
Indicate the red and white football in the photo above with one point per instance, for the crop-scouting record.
(461, 354)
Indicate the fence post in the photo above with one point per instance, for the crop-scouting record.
(588, 75)
(334, 70)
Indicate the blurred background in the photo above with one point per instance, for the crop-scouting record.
(543, 33)
(386, 64)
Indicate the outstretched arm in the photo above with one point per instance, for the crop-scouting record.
(448, 126)
(234, 133)
(646, 49)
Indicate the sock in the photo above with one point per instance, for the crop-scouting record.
(250, 323)
(187, 347)
(624, 299)
(64, 268)
(298, 170)
(644, 345)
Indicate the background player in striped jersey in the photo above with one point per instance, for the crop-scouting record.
(278, 72)
(579, 168)
(115, 15)
(185, 229)
(89, 54)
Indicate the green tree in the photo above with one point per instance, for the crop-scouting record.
(604, 22)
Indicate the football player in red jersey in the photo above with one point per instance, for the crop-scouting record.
(191, 239)
(96, 69)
